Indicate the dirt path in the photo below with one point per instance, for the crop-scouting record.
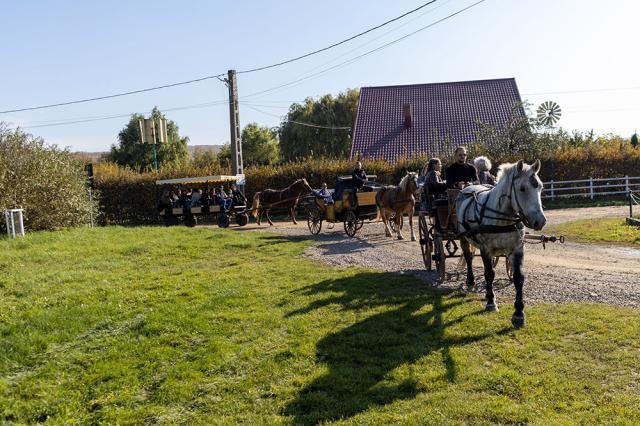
(559, 274)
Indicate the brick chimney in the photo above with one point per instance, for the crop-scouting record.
(406, 108)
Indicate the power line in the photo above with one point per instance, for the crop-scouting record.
(218, 75)
(564, 92)
(79, 101)
(301, 123)
(288, 61)
(52, 123)
(384, 46)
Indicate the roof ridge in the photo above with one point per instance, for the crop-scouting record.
(441, 83)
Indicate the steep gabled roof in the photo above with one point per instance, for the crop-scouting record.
(443, 116)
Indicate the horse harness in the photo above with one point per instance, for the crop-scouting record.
(481, 210)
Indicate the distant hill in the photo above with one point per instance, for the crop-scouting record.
(96, 157)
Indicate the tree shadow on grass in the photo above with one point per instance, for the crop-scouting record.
(361, 358)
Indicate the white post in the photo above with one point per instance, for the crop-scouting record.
(553, 193)
(591, 187)
(13, 226)
(626, 184)
(91, 207)
(21, 223)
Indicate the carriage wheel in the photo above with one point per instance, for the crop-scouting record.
(190, 220)
(223, 220)
(439, 256)
(360, 224)
(495, 261)
(426, 245)
(314, 221)
(350, 223)
(242, 219)
(392, 223)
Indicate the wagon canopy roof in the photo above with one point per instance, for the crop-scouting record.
(200, 179)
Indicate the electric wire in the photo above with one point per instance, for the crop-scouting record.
(301, 123)
(338, 43)
(356, 58)
(218, 76)
(79, 101)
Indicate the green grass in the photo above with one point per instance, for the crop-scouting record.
(601, 230)
(576, 202)
(179, 325)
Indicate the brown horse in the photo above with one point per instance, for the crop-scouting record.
(398, 200)
(279, 199)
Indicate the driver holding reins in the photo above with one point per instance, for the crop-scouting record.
(461, 173)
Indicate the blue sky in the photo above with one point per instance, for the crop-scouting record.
(56, 51)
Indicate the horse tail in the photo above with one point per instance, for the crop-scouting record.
(256, 205)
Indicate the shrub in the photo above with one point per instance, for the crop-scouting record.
(47, 182)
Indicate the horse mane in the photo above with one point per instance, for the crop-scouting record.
(506, 170)
(404, 182)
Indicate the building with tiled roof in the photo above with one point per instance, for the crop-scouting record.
(396, 122)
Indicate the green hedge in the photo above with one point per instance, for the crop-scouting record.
(130, 198)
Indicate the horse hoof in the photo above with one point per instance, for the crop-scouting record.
(400, 237)
(491, 307)
(471, 284)
(518, 321)
(413, 238)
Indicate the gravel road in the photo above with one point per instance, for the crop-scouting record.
(562, 273)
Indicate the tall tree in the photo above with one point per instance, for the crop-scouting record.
(259, 145)
(300, 141)
(131, 152)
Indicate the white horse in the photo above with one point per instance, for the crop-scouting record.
(492, 220)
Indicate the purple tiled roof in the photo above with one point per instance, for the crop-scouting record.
(443, 116)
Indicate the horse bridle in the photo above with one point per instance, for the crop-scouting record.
(481, 209)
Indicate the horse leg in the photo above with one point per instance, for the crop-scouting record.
(468, 257)
(259, 216)
(489, 275)
(383, 214)
(293, 215)
(398, 219)
(413, 235)
(268, 218)
(518, 318)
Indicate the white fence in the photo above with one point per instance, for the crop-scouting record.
(590, 187)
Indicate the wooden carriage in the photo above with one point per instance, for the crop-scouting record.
(438, 235)
(190, 215)
(349, 206)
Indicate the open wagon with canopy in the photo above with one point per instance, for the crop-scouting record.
(223, 211)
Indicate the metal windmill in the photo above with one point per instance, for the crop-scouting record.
(549, 113)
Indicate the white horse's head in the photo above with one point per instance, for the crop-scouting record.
(525, 192)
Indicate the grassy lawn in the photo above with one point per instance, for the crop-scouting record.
(575, 202)
(601, 230)
(179, 325)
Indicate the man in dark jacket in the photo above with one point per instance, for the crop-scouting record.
(359, 176)
(461, 172)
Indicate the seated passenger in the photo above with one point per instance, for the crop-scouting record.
(165, 201)
(237, 196)
(324, 194)
(483, 165)
(196, 196)
(434, 187)
(224, 200)
(359, 176)
(461, 173)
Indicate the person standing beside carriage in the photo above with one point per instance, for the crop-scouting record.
(461, 172)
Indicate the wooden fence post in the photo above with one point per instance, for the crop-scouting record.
(591, 187)
(626, 183)
(553, 194)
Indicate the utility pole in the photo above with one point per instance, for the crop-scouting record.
(234, 121)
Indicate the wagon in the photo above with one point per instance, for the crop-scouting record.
(220, 213)
(349, 206)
